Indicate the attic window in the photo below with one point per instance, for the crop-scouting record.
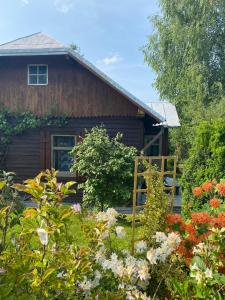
(37, 74)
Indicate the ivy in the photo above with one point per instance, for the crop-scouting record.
(13, 124)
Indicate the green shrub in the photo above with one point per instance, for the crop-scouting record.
(107, 166)
(206, 161)
(156, 209)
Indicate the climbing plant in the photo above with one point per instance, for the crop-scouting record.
(12, 124)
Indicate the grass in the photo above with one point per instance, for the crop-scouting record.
(116, 243)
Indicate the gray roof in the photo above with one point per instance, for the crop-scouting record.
(37, 40)
(41, 44)
(167, 111)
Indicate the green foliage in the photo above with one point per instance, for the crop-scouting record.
(206, 161)
(10, 206)
(204, 279)
(107, 166)
(42, 259)
(156, 208)
(34, 264)
(187, 53)
(12, 124)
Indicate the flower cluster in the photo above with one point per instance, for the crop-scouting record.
(131, 274)
(209, 187)
(195, 231)
(109, 217)
(168, 244)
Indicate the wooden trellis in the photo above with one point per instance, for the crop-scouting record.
(142, 169)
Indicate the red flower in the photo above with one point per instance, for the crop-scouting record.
(197, 191)
(200, 218)
(215, 203)
(221, 188)
(207, 186)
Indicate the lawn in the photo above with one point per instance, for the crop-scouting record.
(117, 244)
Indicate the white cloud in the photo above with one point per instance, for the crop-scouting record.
(111, 60)
(64, 6)
(25, 2)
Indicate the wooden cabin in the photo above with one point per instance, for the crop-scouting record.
(40, 75)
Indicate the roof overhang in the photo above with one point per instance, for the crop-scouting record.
(80, 59)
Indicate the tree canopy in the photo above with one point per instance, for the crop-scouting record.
(107, 166)
(187, 52)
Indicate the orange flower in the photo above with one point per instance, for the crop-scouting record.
(203, 237)
(174, 219)
(215, 203)
(192, 238)
(221, 188)
(197, 191)
(188, 261)
(200, 218)
(207, 186)
(221, 218)
(190, 229)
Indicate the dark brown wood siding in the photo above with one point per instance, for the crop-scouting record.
(72, 90)
(29, 153)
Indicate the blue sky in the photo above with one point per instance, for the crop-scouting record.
(109, 33)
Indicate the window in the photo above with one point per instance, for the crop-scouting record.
(37, 75)
(61, 158)
(155, 148)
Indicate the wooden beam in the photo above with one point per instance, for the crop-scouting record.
(152, 141)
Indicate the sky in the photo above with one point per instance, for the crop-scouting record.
(110, 34)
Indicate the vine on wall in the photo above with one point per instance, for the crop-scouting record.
(12, 124)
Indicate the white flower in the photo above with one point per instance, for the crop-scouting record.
(101, 216)
(120, 231)
(208, 273)
(141, 246)
(160, 237)
(109, 216)
(143, 270)
(97, 278)
(199, 248)
(43, 236)
(76, 207)
(104, 235)
(86, 285)
(111, 212)
(173, 240)
(152, 256)
(194, 267)
(100, 255)
(198, 275)
(2, 271)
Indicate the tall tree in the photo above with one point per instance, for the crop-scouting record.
(187, 52)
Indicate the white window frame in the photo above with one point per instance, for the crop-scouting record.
(28, 73)
(155, 143)
(62, 173)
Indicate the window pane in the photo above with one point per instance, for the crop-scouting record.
(32, 69)
(42, 79)
(62, 160)
(32, 79)
(63, 141)
(42, 70)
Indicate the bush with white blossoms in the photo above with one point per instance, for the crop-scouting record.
(43, 259)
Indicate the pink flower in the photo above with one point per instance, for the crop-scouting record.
(76, 207)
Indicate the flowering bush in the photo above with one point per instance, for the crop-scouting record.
(201, 252)
(42, 260)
